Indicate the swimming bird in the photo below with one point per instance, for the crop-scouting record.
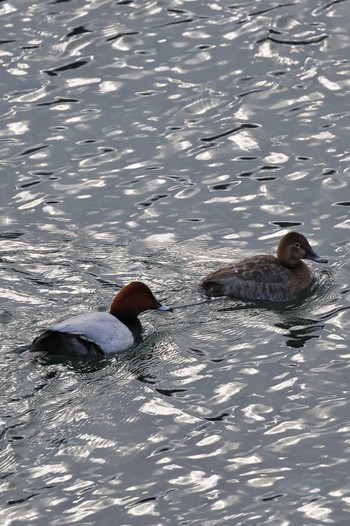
(266, 277)
(97, 333)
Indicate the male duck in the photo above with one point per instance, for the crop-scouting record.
(265, 277)
(97, 333)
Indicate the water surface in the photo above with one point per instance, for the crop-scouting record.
(158, 141)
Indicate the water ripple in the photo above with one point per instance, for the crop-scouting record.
(157, 141)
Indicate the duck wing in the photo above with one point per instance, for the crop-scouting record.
(61, 343)
(257, 278)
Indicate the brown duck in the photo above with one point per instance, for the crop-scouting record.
(266, 277)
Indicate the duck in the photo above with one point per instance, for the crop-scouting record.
(100, 333)
(266, 277)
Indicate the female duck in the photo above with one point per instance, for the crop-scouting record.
(97, 333)
(264, 277)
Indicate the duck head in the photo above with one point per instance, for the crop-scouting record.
(293, 247)
(134, 299)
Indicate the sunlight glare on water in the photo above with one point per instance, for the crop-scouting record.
(158, 141)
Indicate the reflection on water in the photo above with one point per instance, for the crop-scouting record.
(158, 141)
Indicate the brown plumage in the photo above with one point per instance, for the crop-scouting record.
(265, 277)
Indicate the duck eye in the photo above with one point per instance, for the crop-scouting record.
(297, 245)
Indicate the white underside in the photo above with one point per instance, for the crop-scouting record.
(101, 327)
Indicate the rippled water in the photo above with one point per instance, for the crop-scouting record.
(158, 141)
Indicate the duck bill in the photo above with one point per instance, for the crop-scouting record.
(159, 306)
(311, 254)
